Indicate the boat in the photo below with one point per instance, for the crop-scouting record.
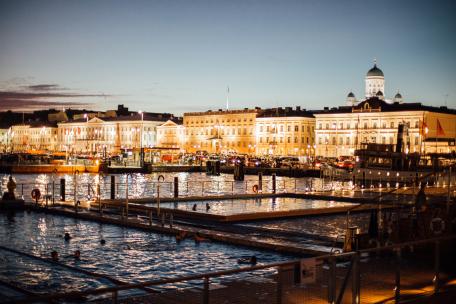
(393, 164)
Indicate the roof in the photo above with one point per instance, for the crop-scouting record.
(375, 71)
(135, 117)
(377, 104)
(285, 112)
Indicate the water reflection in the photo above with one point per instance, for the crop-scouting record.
(145, 185)
(128, 254)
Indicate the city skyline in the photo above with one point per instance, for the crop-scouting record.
(176, 57)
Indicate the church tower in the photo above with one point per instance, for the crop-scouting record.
(375, 82)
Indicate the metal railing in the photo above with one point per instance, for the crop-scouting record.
(374, 275)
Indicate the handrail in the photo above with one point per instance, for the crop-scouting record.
(74, 294)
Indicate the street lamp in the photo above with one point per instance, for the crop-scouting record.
(141, 156)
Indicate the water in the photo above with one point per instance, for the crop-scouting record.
(145, 185)
(331, 226)
(242, 206)
(129, 255)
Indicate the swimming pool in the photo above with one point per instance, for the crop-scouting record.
(129, 255)
(243, 206)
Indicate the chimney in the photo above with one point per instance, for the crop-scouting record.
(298, 108)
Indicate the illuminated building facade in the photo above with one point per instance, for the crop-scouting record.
(220, 131)
(339, 131)
(32, 136)
(285, 131)
(171, 134)
(109, 134)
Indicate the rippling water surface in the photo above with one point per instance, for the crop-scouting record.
(145, 185)
(129, 255)
(239, 206)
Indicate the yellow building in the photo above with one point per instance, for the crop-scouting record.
(220, 131)
(285, 132)
(339, 131)
(171, 134)
(33, 136)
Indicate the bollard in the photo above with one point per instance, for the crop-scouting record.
(113, 187)
(260, 181)
(176, 187)
(273, 183)
(62, 189)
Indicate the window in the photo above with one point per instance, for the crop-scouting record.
(296, 128)
(296, 140)
(333, 140)
(319, 141)
(341, 141)
(392, 125)
(383, 140)
(417, 124)
(416, 140)
(281, 128)
(327, 126)
(319, 126)
(374, 139)
(347, 141)
(365, 125)
(289, 128)
(341, 125)
(288, 139)
(261, 128)
(375, 125)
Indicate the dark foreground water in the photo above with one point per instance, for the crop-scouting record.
(129, 255)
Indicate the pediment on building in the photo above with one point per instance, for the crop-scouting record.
(96, 120)
(169, 123)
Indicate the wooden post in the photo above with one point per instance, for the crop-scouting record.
(206, 290)
(113, 187)
(176, 187)
(436, 279)
(397, 288)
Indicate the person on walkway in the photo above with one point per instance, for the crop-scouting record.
(194, 207)
(207, 207)
(420, 200)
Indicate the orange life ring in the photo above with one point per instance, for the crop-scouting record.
(36, 194)
(255, 188)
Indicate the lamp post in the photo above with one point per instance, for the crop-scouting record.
(141, 154)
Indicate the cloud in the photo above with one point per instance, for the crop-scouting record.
(44, 87)
(42, 96)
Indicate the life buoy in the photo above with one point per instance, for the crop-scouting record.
(36, 194)
(76, 171)
(161, 178)
(255, 188)
(437, 226)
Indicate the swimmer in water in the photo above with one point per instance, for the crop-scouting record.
(54, 256)
(67, 236)
(102, 242)
(77, 255)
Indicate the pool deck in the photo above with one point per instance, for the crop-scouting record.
(262, 243)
